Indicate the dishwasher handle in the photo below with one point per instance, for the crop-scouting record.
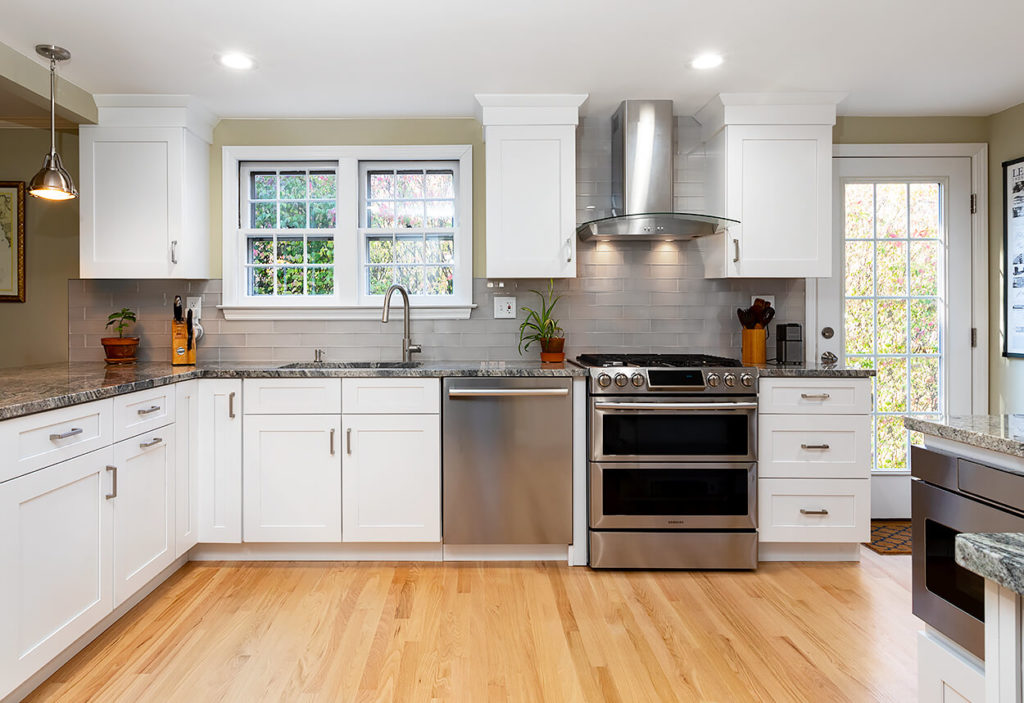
(506, 392)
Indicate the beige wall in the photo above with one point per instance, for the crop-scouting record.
(36, 331)
(347, 132)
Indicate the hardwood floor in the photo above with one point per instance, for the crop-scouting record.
(509, 632)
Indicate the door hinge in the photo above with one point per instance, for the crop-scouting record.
(974, 336)
(974, 203)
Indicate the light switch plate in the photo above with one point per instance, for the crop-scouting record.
(504, 307)
(195, 304)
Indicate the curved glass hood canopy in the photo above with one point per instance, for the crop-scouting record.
(642, 181)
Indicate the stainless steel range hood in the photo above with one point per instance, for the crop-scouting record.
(642, 176)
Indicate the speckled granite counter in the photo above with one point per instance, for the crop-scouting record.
(32, 389)
(812, 371)
(999, 433)
(998, 556)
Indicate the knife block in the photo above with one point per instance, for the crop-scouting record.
(181, 355)
(755, 344)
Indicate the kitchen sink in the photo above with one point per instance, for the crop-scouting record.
(353, 365)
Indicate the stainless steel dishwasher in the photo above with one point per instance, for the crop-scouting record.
(507, 460)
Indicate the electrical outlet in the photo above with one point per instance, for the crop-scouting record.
(504, 307)
(769, 298)
(195, 304)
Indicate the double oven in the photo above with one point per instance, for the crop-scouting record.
(673, 468)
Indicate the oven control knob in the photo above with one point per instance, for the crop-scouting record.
(714, 379)
(604, 380)
(730, 380)
(747, 380)
(637, 379)
(621, 380)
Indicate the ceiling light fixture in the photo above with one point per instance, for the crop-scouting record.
(53, 182)
(236, 61)
(706, 61)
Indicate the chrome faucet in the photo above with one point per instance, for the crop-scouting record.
(407, 346)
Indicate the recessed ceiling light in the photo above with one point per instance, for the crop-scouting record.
(705, 61)
(236, 60)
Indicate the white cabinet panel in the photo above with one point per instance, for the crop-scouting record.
(220, 460)
(143, 411)
(30, 442)
(814, 510)
(55, 537)
(832, 396)
(143, 510)
(186, 472)
(814, 446)
(268, 396)
(390, 395)
(946, 673)
(291, 481)
(392, 478)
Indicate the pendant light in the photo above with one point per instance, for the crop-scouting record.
(53, 182)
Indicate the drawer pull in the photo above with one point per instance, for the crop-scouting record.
(113, 492)
(155, 441)
(231, 405)
(64, 435)
(150, 409)
(814, 446)
(821, 511)
(815, 396)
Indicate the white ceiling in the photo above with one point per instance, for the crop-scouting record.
(390, 58)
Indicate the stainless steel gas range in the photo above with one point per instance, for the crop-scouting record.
(672, 462)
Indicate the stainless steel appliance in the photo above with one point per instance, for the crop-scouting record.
(789, 343)
(950, 495)
(507, 460)
(672, 462)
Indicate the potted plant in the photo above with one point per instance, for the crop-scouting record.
(539, 326)
(120, 349)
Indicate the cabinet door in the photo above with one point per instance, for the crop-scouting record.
(531, 201)
(291, 482)
(128, 223)
(186, 472)
(143, 510)
(220, 460)
(779, 188)
(391, 486)
(55, 536)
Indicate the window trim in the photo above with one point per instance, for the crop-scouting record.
(347, 303)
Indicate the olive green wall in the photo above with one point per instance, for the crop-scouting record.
(909, 130)
(36, 331)
(347, 132)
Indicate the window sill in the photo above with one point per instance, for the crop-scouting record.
(300, 312)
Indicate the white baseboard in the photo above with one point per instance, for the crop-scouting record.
(349, 551)
(890, 497)
(506, 552)
(816, 551)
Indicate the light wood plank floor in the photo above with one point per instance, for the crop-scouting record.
(485, 632)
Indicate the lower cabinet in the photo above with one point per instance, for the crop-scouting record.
(186, 471)
(391, 485)
(143, 499)
(220, 460)
(55, 551)
(291, 486)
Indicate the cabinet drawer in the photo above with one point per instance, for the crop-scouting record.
(814, 446)
(265, 396)
(814, 510)
(143, 411)
(34, 441)
(829, 396)
(396, 396)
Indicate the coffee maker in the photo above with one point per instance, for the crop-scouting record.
(789, 344)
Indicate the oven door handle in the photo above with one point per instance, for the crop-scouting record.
(601, 405)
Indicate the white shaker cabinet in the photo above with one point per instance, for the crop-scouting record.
(769, 165)
(55, 557)
(220, 461)
(530, 150)
(186, 471)
(145, 183)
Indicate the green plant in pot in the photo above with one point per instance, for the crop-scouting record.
(120, 349)
(540, 326)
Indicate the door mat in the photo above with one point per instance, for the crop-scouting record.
(890, 537)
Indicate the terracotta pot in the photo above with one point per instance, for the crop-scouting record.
(120, 350)
(552, 350)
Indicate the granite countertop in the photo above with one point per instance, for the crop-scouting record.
(998, 556)
(999, 433)
(812, 370)
(33, 389)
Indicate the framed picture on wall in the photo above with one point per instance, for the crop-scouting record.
(12, 241)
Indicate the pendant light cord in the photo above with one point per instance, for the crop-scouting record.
(53, 121)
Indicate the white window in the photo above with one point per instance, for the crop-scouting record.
(322, 232)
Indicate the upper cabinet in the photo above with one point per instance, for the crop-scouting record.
(530, 148)
(769, 165)
(145, 189)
